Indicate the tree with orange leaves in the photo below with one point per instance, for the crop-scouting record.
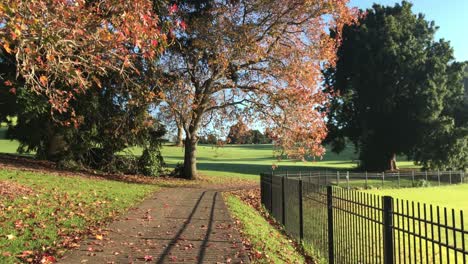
(256, 59)
(80, 79)
(64, 47)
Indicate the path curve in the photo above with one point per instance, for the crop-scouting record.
(175, 225)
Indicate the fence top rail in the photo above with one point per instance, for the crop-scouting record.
(351, 174)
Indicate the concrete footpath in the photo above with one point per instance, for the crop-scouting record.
(176, 225)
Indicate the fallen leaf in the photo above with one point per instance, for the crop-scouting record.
(43, 80)
(46, 259)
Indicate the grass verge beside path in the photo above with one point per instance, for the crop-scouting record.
(51, 213)
(268, 244)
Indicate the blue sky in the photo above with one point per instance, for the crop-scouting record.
(451, 16)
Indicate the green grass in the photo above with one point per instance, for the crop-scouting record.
(6, 145)
(60, 208)
(452, 196)
(264, 237)
(367, 234)
(243, 161)
(251, 160)
(449, 196)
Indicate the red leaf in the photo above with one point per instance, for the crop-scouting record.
(183, 25)
(172, 9)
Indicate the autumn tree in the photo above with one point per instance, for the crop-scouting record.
(258, 59)
(399, 91)
(210, 139)
(168, 115)
(63, 48)
(80, 76)
(237, 133)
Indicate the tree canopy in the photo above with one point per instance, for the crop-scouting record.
(256, 58)
(63, 48)
(80, 79)
(398, 90)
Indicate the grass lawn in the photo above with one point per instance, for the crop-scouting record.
(354, 235)
(242, 161)
(270, 245)
(56, 209)
(251, 160)
(450, 196)
(6, 145)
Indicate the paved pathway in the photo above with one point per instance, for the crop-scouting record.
(179, 225)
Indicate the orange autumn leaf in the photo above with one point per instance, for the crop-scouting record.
(7, 48)
(43, 80)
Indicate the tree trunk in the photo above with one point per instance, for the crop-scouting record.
(190, 158)
(392, 163)
(56, 145)
(180, 135)
(376, 160)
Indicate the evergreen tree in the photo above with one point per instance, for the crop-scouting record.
(400, 92)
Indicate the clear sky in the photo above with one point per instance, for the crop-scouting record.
(450, 15)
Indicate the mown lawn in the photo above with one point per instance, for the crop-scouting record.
(241, 161)
(353, 235)
(250, 160)
(56, 210)
(6, 145)
(450, 196)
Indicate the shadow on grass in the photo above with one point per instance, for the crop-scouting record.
(28, 163)
(220, 158)
(256, 169)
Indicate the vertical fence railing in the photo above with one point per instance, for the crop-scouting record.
(347, 226)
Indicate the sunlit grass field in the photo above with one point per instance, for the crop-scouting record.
(242, 160)
(251, 160)
(450, 196)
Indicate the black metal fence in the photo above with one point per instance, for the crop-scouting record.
(370, 180)
(347, 226)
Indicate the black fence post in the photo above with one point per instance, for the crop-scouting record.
(283, 207)
(388, 229)
(271, 194)
(301, 212)
(331, 255)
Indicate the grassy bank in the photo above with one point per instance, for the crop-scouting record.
(41, 214)
(268, 244)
